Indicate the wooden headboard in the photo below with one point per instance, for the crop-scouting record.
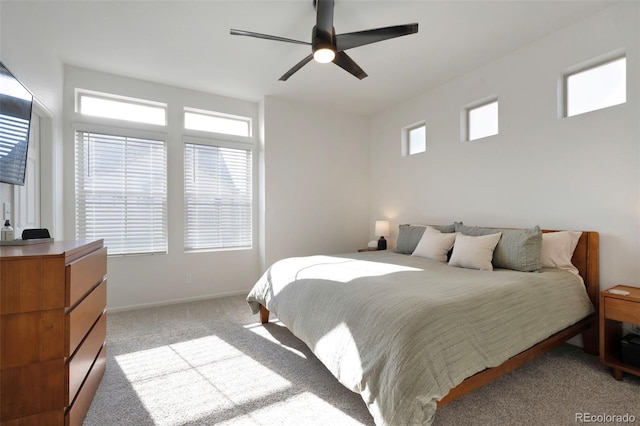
(586, 258)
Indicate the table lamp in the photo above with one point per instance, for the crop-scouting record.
(382, 230)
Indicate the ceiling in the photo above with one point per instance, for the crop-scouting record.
(187, 43)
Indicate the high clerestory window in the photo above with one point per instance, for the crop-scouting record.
(481, 120)
(414, 139)
(216, 122)
(596, 87)
(118, 107)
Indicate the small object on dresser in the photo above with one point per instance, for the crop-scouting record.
(622, 292)
(7, 231)
(630, 349)
(32, 234)
(373, 245)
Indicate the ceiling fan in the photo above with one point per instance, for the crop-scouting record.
(327, 46)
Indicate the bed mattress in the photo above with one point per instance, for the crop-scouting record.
(402, 330)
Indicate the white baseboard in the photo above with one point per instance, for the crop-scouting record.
(176, 301)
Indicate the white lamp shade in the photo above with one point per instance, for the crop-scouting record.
(382, 228)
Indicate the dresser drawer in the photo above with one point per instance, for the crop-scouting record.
(622, 310)
(77, 412)
(83, 274)
(83, 316)
(32, 389)
(80, 363)
(31, 285)
(31, 337)
(49, 418)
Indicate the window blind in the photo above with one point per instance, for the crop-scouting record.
(218, 197)
(14, 138)
(121, 192)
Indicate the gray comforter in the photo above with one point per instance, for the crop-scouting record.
(402, 330)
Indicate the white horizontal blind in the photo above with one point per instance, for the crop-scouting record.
(121, 192)
(218, 197)
(14, 138)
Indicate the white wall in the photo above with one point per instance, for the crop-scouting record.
(316, 180)
(561, 173)
(155, 279)
(42, 73)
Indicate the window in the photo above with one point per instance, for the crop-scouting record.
(120, 107)
(121, 192)
(210, 121)
(596, 87)
(414, 139)
(218, 197)
(482, 120)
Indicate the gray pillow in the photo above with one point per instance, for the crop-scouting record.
(518, 249)
(408, 238)
(409, 235)
(447, 229)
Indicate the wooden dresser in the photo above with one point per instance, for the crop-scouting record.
(53, 329)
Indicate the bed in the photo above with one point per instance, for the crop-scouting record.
(409, 333)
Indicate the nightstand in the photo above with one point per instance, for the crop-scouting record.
(366, 249)
(616, 309)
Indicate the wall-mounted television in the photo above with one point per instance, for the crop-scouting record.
(15, 121)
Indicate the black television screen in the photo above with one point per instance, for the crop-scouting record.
(15, 119)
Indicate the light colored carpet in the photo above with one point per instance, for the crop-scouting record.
(211, 363)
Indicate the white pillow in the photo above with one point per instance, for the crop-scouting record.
(474, 252)
(434, 244)
(558, 248)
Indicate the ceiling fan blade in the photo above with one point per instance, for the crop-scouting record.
(324, 17)
(360, 38)
(267, 37)
(346, 63)
(296, 67)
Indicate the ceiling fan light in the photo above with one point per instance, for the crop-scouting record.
(324, 55)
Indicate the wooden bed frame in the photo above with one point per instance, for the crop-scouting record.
(586, 259)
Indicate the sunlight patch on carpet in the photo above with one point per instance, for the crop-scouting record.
(191, 380)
